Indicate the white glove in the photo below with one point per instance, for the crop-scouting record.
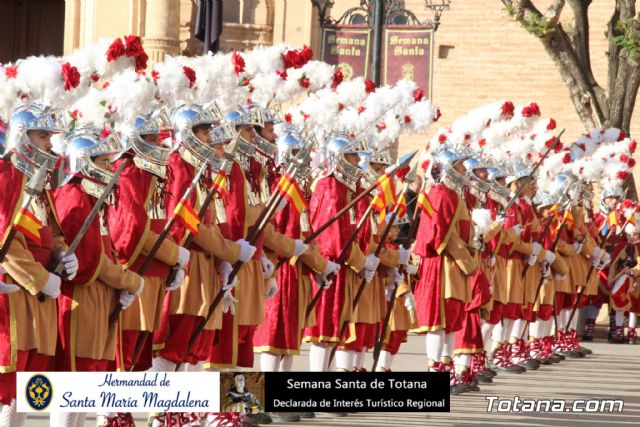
(229, 303)
(52, 287)
(536, 248)
(6, 288)
(532, 259)
(368, 275)
(246, 250)
(388, 291)
(549, 257)
(70, 263)
(397, 277)
(225, 269)
(595, 258)
(183, 256)
(272, 288)
(301, 248)
(409, 301)
(606, 259)
(500, 219)
(517, 228)
(126, 299)
(331, 268)
(492, 261)
(412, 270)
(577, 247)
(546, 271)
(178, 279)
(322, 281)
(372, 262)
(140, 288)
(404, 254)
(557, 276)
(267, 267)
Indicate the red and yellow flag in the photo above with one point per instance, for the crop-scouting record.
(568, 219)
(612, 219)
(220, 184)
(187, 216)
(386, 190)
(402, 206)
(291, 191)
(425, 204)
(27, 223)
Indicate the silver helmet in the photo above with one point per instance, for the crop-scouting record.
(382, 157)
(265, 149)
(520, 170)
(246, 116)
(150, 157)
(544, 199)
(288, 143)
(185, 118)
(445, 159)
(477, 186)
(83, 146)
(612, 191)
(498, 193)
(337, 146)
(26, 118)
(240, 117)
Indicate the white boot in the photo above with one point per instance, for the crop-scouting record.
(286, 363)
(269, 362)
(63, 419)
(345, 360)
(160, 364)
(319, 357)
(384, 361)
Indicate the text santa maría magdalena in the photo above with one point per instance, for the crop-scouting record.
(149, 399)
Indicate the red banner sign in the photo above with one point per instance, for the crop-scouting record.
(408, 54)
(348, 47)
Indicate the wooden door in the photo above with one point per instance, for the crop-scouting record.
(31, 27)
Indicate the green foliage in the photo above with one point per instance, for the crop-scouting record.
(536, 25)
(629, 36)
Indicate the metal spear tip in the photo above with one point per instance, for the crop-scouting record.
(402, 162)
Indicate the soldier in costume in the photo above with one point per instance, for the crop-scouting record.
(371, 307)
(609, 201)
(446, 265)
(278, 339)
(493, 330)
(403, 316)
(85, 340)
(134, 222)
(330, 194)
(238, 214)
(211, 254)
(29, 325)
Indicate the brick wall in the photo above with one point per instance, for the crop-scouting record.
(492, 59)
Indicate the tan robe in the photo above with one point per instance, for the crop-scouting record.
(36, 322)
(202, 282)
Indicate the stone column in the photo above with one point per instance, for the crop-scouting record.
(162, 29)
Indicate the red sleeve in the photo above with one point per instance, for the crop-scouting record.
(127, 217)
(434, 228)
(73, 206)
(329, 196)
(179, 177)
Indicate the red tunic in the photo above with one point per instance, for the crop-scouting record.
(329, 196)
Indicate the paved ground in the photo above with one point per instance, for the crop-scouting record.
(612, 372)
